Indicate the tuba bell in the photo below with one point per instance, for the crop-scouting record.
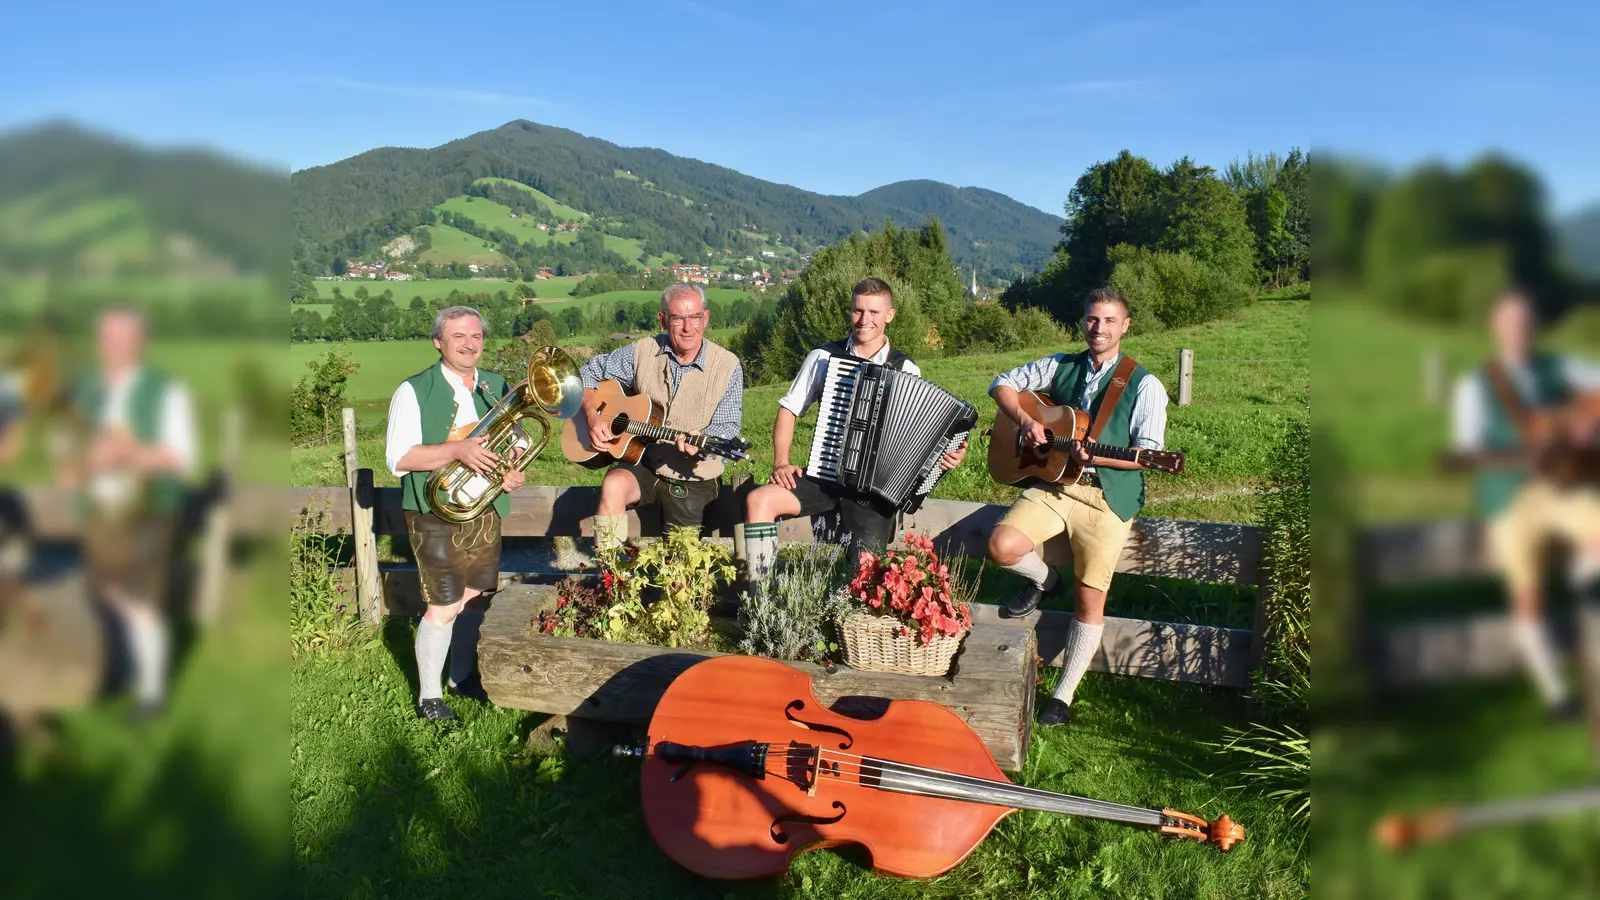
(551, 390)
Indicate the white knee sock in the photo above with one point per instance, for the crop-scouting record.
(761, 546)
(147, 640)
(1033, 567)
(1082, 641)
(464, 646)
(433, 644)
(1540, 658)
(610, 532)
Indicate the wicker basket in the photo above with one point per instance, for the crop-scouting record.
(874, 643)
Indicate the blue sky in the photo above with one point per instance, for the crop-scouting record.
(835, 97)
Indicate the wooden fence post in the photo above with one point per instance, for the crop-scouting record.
(1433, 376)
(1185, 376)
(214, 553)
(366, 547)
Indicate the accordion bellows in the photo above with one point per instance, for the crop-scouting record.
(881, 431)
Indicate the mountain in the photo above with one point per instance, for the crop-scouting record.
(670, 205)
(1579, 238)
(77, 201)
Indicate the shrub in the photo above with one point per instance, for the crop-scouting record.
(1273, 753)
(316, 399)
(1036, 327)
(658, 594)
(321, 616)
(987, 327)
(1450, 286)
(1173, 289)
(792, 612)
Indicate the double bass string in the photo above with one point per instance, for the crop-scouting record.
(1001, 793)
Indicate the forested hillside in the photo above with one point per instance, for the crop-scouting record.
(671, 205)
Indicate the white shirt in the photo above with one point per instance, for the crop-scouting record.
(807, 386)
(1470, 406)
(405, 417)
(176, 432)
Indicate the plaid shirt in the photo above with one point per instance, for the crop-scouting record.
(618, 364)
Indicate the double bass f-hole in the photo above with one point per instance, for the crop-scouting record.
(798, 706)
(779, 836)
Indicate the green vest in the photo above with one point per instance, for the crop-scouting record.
(1494, 489)
(1124, 489)
(146, 397)
(436, 399)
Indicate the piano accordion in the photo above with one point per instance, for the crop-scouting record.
(882, 431)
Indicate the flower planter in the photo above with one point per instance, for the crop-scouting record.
(884, 644)
(990, 682)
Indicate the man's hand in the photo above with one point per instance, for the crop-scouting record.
(471, 453)
(684, 446)
(786, 475)
(111, 451)
(953, 458)
(600, 436)
(1033, 433)
(513, 480)
(1080, 453)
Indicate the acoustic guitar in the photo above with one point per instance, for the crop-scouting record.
(1559, 442)
(638, 422)
(1013, 461)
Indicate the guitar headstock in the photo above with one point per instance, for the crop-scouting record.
(732, 449)
(1167, 461)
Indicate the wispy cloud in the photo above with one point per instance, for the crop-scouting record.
(424, 93)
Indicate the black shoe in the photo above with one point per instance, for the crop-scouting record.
(1027, 600)
(1055, 713)
(471, 689)
(435, 709)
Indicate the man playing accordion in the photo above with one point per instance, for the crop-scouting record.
(868, 520)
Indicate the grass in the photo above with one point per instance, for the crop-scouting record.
(384, 805)
(1250, 373)
(450, 244)
(492, 215)
(1466, 744)
(558, 209)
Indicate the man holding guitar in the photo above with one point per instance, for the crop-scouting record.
(700, 388)
(1522, 422)
(1127, 409)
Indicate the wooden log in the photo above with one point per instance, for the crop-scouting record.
(1438, 651)
(1203, 551)
(1201, 654)
(1185, 376)
(366, 547)
(991, 688)
(1394, 554)
(218, 528)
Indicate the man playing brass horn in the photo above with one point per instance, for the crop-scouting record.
(701, 386)
(430, 416)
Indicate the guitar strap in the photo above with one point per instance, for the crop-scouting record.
(1506, 393)
(1113, 395)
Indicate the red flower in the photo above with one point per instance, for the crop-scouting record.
(609, 579)
(561, 601)
(549, 626)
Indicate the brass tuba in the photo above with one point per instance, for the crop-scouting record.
(552, 390)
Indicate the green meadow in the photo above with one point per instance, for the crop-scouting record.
(449, 244)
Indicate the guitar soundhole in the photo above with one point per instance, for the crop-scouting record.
(619, 424)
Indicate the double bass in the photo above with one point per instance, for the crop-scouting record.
(744, 769)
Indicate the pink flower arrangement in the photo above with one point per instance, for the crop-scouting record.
(913, 586)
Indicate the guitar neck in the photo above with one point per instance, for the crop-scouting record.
(1103, 451)
(663, 433)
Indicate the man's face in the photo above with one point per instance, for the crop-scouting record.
(461, 342)
(1104, 324)
(121, 339)
(870, 314)
(685, 323)
(1512, 324)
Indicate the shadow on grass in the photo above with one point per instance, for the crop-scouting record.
(533, 826)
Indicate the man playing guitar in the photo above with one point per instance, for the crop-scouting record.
(1526, 509)
(701, 387)
(1097, 510)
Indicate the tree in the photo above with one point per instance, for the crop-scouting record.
(316, 398)
(1206, 220)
